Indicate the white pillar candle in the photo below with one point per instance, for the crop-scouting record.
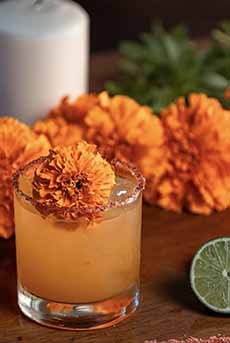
(43, 55)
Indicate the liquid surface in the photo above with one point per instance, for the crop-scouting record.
(122, 189)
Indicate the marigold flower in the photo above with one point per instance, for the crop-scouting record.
(6, 205)
(196, 172)
(18, 146)
(74, 111)
(123, 129)
(73, 177)
(58, 131)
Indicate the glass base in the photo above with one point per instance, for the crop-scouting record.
(87, 316)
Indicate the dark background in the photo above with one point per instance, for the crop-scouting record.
(113, 20)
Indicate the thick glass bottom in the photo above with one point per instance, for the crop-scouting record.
(87, 316)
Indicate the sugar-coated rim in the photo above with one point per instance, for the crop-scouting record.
(44, 209)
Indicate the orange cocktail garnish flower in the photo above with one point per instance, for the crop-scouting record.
(18, 146)
(59, 131)
(196, 172)
(73, 177)
(123, 129)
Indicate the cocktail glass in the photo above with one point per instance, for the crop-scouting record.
(79, 274)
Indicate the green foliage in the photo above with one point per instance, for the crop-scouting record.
(217, 64)
(163, 65)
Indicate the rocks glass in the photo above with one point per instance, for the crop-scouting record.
(78, 274)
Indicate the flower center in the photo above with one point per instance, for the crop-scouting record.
(78, 184)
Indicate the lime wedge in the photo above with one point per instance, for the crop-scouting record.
(210, 274)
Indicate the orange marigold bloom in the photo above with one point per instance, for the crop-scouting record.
(123, 129)
(6, 205)
(74, 111)
(58, 131)
(196, 172)
(73, 177)
(18, 146)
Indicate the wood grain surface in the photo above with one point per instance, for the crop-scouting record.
(168, 307)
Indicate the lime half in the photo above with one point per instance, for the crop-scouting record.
(210, 274)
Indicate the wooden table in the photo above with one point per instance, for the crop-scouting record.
(168, 307)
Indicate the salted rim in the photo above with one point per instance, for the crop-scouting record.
(44, 209)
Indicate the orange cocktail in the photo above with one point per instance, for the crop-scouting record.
(79, 273)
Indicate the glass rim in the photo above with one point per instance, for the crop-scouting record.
(58, 212)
